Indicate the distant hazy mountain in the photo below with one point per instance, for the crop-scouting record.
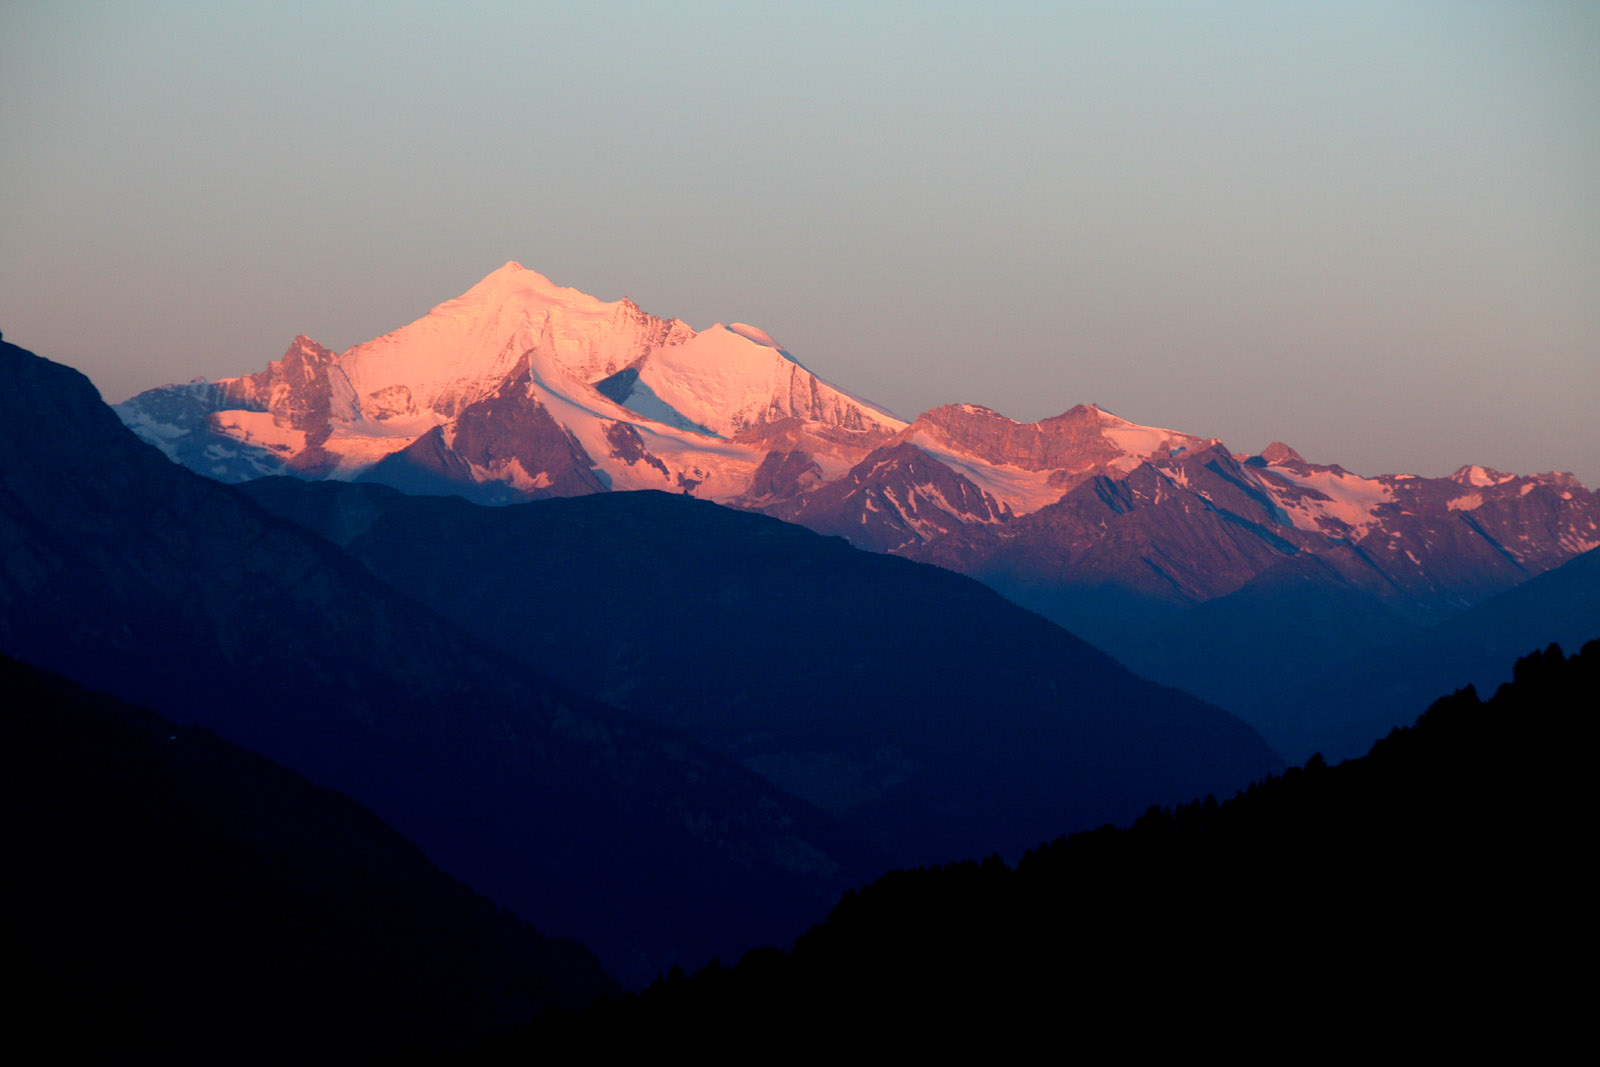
(134, 576)
(1223, 573)
(171, 898)
(1340, 707)
(920, 708)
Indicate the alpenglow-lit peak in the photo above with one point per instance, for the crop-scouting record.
(461, 350)
(1482, 477)
(513, 281)
(1277, 453)
(733, 379)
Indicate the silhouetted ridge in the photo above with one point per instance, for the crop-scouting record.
(1424, 892)
(172, 898)
(923, 710)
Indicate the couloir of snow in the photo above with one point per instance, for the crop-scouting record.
(163, 435)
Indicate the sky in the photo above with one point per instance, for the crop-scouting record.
(1371, 230)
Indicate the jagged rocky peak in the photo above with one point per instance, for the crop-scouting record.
(1081, 439)
(1080, 413)
(954, 417)
(1558, 479)
(304, 347)
(1278, 454)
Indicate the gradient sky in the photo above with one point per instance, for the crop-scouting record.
(1370, 230)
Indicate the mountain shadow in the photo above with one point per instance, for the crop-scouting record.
(919, 707)
(1428, 895)
(174, 899)
(1340, 708)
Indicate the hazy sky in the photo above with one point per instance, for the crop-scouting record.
(1371, 230)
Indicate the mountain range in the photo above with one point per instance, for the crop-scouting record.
(797, 743)
(1223, 573)
(674, 724)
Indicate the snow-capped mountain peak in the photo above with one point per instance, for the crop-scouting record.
(591, 365)
(521, 388)
(1480, 477)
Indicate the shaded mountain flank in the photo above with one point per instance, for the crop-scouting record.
(1428, 895)
(134, 576)
(1339, 707)
(923, 710)
(171, 898)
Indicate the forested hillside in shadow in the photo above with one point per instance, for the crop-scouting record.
(171, 898)
(1428, 889)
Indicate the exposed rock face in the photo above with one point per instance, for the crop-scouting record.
(897, 497)
(302, 390)
(275, 421)
(1071, 446)
(783, 476)
(503, 447)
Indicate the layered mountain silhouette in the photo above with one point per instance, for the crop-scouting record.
(924, 711)
(134, 576)
(171, 898)
(1419, 896)
(796, 683)
(673, 729)
(1338, 708)
(1219, 572)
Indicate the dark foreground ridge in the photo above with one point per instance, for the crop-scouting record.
(1426, 891)
(171, 898)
